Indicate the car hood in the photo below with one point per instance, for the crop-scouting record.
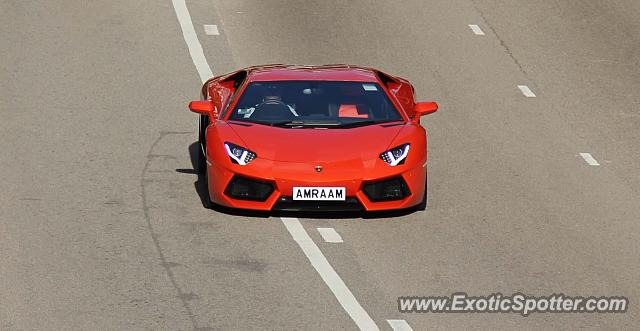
(317, 145)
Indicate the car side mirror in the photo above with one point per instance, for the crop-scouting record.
(201, 107)
(424, 108)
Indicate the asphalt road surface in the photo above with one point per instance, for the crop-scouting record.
(101, 222)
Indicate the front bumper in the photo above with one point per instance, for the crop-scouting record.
(283, 176)
(286, 203)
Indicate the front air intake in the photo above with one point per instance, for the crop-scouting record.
(387, 190)
(243, 188)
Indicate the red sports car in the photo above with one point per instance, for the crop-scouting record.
(334, 137)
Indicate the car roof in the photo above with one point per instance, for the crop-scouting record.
(333, 72)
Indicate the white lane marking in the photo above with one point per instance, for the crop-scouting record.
(190, 37)
(211, 30)
(399, 325)
(309, 248)
(329, 275)
(526, 91)
(589, 159)
(330, 235)
(476, 29)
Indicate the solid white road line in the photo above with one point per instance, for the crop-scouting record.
(399, 325)
(476, 29)
(329, 275)
(309, 248)
(330, 235)
(526, 91)
(190, 37)
(589, 159)
(211, 30)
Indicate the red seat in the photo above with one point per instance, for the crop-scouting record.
(350, 111)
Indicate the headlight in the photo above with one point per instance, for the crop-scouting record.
(395, 155)
(239, 155)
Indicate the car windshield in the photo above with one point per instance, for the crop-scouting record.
(325, 104)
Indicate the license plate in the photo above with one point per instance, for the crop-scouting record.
(319, 193)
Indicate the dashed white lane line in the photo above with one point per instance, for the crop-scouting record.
(211, 30)
(399, 325)
(589, 159)
(191, 38)
(329, 275)
(526, 91)
(330, 235)
(476, 29)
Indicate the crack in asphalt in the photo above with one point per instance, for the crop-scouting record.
(184, 297)
(502, 42)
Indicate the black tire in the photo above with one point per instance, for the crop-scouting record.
(201, 159)
(423, 204)
(206, 197)
(201, 163)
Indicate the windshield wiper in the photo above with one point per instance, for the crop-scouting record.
(278, 124)
(307, 124)
(322, 124)
(297, 123)
(361, 123)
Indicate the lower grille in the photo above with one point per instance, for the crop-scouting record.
(286, 203)
(387, 190)
(243, 188)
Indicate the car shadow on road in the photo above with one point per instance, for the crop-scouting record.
(200, 186)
